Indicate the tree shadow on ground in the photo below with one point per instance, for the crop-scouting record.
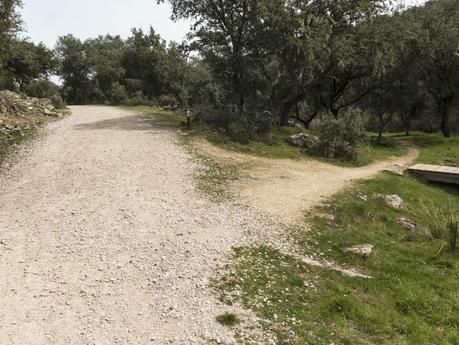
(126, 123)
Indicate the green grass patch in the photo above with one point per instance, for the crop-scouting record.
(228, 320)
(438, 150)
(413, 297)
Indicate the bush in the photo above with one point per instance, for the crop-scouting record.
(42, 89)
(57, 101)
(138, 99)
(236, 126)
(46, 89)
(240, 131)
(340, 137)
(228, 320)
(118, 93)
(168, 101)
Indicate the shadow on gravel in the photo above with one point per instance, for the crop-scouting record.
(125, 123)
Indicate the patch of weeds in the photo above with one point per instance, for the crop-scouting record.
(228, 320)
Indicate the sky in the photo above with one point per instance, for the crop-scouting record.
(46, 20)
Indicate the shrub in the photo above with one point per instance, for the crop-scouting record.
(118, 93)
(228, 320)
(57, 101)
(168, 101)
(42, 89)
(339, 137)
(138, 99)
(46, 89)
(240, 131)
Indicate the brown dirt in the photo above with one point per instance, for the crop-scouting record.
(286, 189)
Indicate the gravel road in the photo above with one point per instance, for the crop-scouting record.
(104, 240)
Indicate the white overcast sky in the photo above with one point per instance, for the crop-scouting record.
(46, 20)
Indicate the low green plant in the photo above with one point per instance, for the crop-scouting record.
(228, 319)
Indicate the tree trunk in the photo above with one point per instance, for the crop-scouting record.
(285, 114)
(406, 119)
(382, 125)
(307, 123)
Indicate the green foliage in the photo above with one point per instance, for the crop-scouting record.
(25, 63)
(43, 88)
(10, 25)
(118, 93)
(74, 69)
(439, 222)
(411, 299)
(340, 137)
(228, 320)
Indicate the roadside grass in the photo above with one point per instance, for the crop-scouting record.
(277, 147)
(413, 297)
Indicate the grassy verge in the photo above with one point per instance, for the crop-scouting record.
(278, 147)
(438, 150)
(413, 297)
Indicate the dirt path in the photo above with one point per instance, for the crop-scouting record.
(285, 189)
(104, 240)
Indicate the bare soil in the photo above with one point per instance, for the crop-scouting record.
(286, 189)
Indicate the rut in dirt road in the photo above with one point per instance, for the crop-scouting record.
(104, 240)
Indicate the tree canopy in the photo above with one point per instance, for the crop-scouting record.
(253, 64)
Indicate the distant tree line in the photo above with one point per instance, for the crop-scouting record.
(249, 65)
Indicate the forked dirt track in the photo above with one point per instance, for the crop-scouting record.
(285, 189)
(104, 239)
